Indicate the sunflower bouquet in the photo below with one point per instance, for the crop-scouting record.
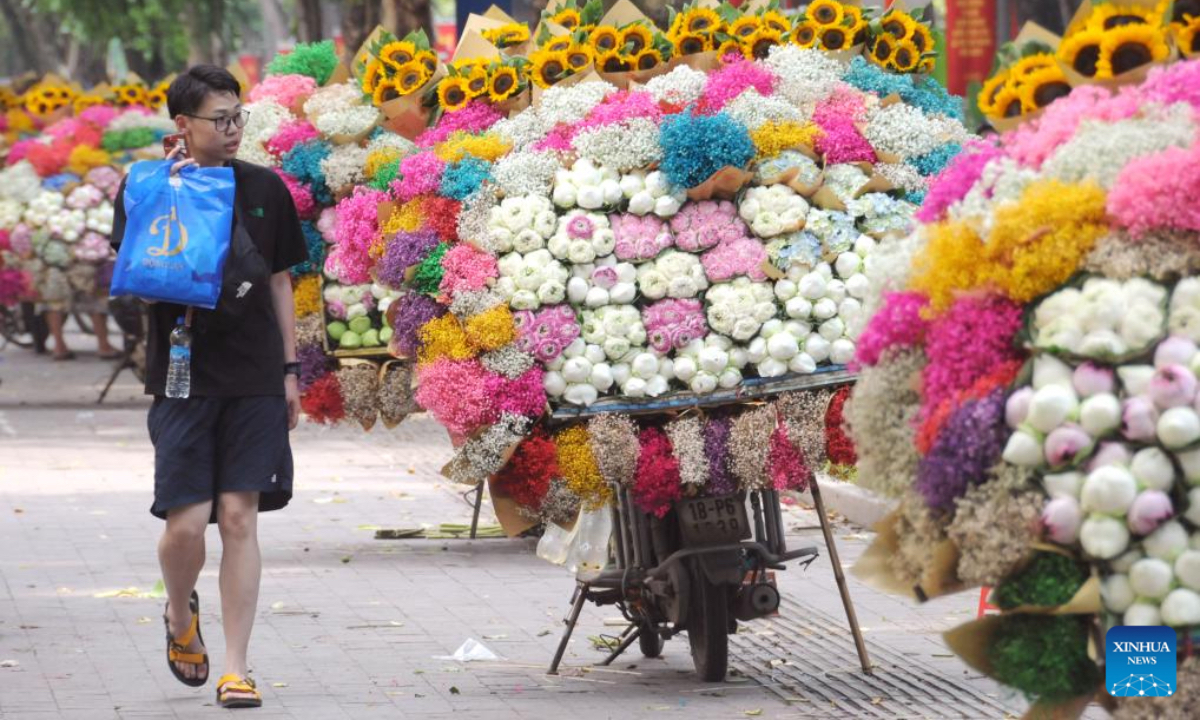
(571, 17)
(900, 42)
(753, 34)
(830, 25)
(695, 29)
(559, 56)
(508, 35)
(1027, 80)
(389, 68)
(129, 94)
(48, 97)
(1107, 41)
(497, 79)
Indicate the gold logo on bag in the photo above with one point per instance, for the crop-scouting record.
(162, 224)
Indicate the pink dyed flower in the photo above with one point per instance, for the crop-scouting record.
(289, 135)
(420, 174)
(897, 324)
(477, 116)
(841, 142)
(99, 115)
(671, 324)
(734, 79)
(546, 332)
(731, 258)
(702, 225)
(1178, 82)
(466, 268)
(639, 238)
(1034, 142)
(301, 195)
(524, 396)
(455, 392)
(286, 90)
(1158, 192)
(846, 102)
(356, 230)
(953, 182)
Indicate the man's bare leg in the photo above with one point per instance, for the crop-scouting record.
(54, 323)
(181, 556)
(100, 327)
(241, 571)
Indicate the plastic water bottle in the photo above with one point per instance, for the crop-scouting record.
(588, 554)
(179, 369)
(555, 543)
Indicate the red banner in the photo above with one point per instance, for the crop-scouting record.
(970, 42)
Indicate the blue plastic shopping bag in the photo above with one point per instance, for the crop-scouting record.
(177, 233)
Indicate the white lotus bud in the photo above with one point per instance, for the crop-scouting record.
(1109, 489)
(1178, 427)
(645, 366)
(577, 370)
(1151, 578)
(1181, 608)
(590, 197)
(824, 309)
(1023, 450)
(577, 290)
(611, 192)
(1187, 568)
(1136, 378)
(602, 377)
(1052, 406)
(782, 346)
(1167, 542)
(667, 205)
(1153, 469)
(817, 347)
(832, 329)
(621, 373)
(581, 394)
(841, 352)
(1049, 370)
(847, 264)
(1103, 537)
(1141, 614)
(1116, 593)
(772, 368)
(799, 308)
(1066, 484)
(858, 286)
(812, 286)
(785, 289)
(632, 185)
(704, 382)
(803, 364)
(634, 387)
(730, 378)
(564, 195)
(713, 360)
(554, 383)
(641, 203)
(1189, 462)
(1100, 415)
(656, 386)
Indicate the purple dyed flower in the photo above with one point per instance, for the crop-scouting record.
(716, 446)
(411, 312)
(969, 444)
(314, 364)
(404, 250)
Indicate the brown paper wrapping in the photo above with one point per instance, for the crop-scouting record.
(724, 184)
(874, 566)
(474, 45)
(408, 116)
(391, 423)
(340, 74)
(359, 362)
(363, 55)
(509, 514)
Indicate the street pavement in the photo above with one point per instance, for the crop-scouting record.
(354, 627)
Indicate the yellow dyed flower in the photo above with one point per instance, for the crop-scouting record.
(825, 12)
(804, 34)
(379, 158)
(19, 121)
(948, 264)
(579, 469)
(404, 218)
(1129, 47)
(503, 84)
(635, 39)
(1044, 86)
(547, 67)
(777, 21)
(443, 337)
(489, 147)
(398, 54)
(492, 329)
(774, 136)
(85, 157)
(744, 26)
(306, 295)
(1081, 51)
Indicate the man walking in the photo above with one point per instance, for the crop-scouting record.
(222, 453)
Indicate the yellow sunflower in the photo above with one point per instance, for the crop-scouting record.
(761, 42)
(372, 76)
(130, 95)
(701, 20)
(1109, 16)
(503, 83)
(635, 39)
(858, 33)
(507, 35)
(731, 47)
(825, 12)
(884, 47)
(477, 81)
(1081, 51)
(567, 17)
(453, 93)
(562, 42)
(155, 99)
(777, 21)
(928, 65)
(547, 68)
(428, 60)
(398, 53)
(990, 91)
(1187, 37)
(1130, 47)
(1031, 63)
(605, 38)
(690, 44)
(83, 102)
(853, 14)
(612, 62)
(385, 90)
(1009, 103)
(836, 37)
(804, 34)
(647, 59)
(898, 24)
(410, 77)
(905, 57)
(744, 26)
(580, 56)
(922, 38)
(1042, 87)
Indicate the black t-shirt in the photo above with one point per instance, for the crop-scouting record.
(247, 360)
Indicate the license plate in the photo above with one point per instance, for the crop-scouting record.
(712, 521)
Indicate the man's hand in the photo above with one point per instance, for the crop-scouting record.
(291, 390)
(180, 164)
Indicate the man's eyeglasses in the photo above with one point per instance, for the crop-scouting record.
(221, 124)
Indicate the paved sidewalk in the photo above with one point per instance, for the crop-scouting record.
(349, 627)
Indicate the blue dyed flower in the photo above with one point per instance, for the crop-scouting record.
(929, 97)
(60, 181)
(933, 162)
(464, 177)
(303, 162)
(316, 250)
(696, 146)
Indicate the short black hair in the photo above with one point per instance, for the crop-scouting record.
(188, 90)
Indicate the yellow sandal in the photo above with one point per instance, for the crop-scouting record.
(177, 651)
(247, 695)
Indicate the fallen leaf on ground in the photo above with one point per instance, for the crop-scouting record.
(9, 664)
(144, 620)
(455, 691)
(280, 685)
(495, 637)
(346, 559)
(544, 633)
(753, 713)
(368, 527)
(876, 701)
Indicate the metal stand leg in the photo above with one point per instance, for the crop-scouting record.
(576, 607)
(125, 361)
(633, 632)
(843, 588)
(478, 505)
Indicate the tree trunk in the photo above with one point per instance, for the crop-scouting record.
(411, 15)
(207, 44)
(36, 49)
(359, 18)
(310, 26)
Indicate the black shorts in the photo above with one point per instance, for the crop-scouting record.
(204, 446)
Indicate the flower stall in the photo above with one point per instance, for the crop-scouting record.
(1027, 384)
